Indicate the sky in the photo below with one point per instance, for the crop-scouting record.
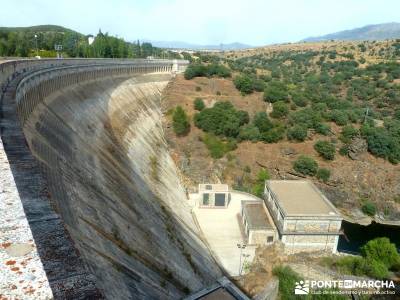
(253, 22)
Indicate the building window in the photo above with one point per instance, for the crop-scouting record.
(219, 199)
(206, 199)
(208, 187)
(270, 239)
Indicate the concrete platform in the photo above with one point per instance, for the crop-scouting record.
(221, 229)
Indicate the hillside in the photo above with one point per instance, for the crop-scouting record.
(370, 32)
(40, 29)
(40, 40)
(286, 99)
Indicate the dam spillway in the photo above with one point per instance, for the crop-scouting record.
(100, 192)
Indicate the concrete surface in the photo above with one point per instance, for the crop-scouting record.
(220, 227)
(21, 270)
(98, 171)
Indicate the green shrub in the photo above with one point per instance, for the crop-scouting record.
(249, 132)
(325, 149)
(322, 128)
(263, 175)
(354, 265)
(297, 133)
(280, 110)
(339, 117)
(397, 114)
(378, 256)
(199, 70)
(276, 91)
(299, 100)
(376, 269)
(305, 165)
(287, 281)
(273, 135)
(369, 208)
(258, 187)
(199, 104)
(344, 150)
(382, 143)
(193, 71)
(262, 122)
(180, 121)
(221, 119)
(244, 84)
(348, 132)
(382, 250)
(198, 88)
(323, 174)
(218, 147)
(306, 117)
(247, 84)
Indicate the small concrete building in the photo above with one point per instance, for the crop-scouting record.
(306, 220)
(214, 195)
(257, 225)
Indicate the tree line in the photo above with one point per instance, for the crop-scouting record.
(40, 40)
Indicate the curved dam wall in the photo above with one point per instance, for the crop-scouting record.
(95, 131)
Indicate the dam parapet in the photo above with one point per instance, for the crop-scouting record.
(9, 70)
(107, 213)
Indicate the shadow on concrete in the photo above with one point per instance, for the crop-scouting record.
(65, 270)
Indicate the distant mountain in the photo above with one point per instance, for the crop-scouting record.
(369, 32)
(190, 46)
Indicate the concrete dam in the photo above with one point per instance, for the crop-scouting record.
(91, 187)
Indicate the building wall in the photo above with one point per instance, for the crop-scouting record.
(305, 229)
(311, 225)
(211, 200)
(259, 237)
(300, 243)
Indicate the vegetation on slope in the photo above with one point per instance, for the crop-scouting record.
(344, 94)
(288, 280)
(310, 89)
(180, 120)
(378, 257)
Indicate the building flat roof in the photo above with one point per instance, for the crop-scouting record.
(301, 197)
(255, 215)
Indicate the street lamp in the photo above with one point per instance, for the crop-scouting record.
(37, 51)
(241, 247)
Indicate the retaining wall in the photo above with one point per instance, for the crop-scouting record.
(102, 170)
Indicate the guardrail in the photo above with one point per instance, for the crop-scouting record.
(10, 69)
